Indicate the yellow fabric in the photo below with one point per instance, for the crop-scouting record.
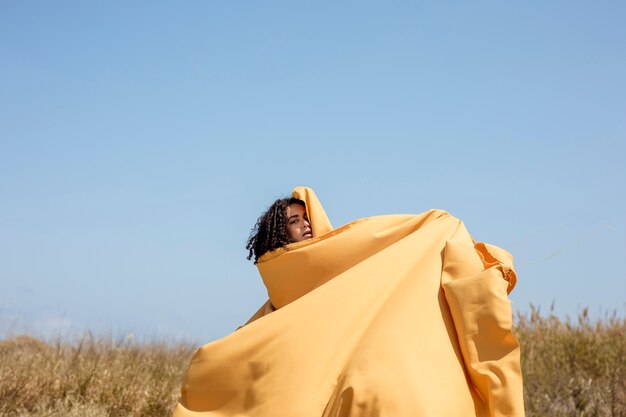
(399, 315)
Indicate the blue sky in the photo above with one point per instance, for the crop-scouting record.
(140, 141)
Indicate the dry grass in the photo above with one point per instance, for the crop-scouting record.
(573, 368)
(570, 369)
(89, 378)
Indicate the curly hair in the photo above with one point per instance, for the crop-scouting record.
(270, 230)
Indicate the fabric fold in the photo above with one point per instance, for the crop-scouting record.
(476, 284)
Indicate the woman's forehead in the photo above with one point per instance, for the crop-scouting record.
(295, 209)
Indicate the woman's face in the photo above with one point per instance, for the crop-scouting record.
(298, 227)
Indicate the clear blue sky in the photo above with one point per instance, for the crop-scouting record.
(139, 142)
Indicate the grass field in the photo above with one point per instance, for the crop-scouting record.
(571, 368)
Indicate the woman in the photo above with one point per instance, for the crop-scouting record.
(396, 315)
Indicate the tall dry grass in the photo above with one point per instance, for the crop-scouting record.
(92, 377)
(571, 368)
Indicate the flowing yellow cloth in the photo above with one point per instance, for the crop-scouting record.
(399, 315)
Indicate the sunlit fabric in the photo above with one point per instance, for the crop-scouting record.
(398, 315)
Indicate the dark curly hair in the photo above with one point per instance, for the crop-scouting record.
(270, 230)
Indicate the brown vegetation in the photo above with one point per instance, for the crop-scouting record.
(89, 378)
(573, 368)
(570, 369)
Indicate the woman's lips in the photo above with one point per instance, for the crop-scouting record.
(308, 234)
